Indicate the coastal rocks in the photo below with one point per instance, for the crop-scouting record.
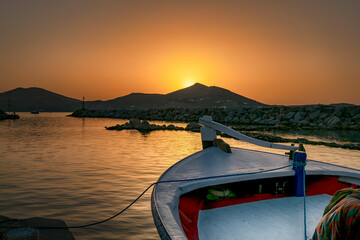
(4, 115)
(143, 126)
(337, 116)
(289, 115)
(193, 127)
(60, 230)
(356, 117)
(313, 116)
(334, 121)
(275, 122)
(146, 127)
(299, 116)
(304, 122)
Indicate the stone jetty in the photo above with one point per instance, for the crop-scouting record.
(340, 116)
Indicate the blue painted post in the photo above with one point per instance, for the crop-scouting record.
(299, 164)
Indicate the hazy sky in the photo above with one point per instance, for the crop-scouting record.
(276, 52)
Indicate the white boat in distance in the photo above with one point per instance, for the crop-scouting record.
(245, 194)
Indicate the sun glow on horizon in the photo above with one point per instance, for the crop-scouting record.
(188, 82)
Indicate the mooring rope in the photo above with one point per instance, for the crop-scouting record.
(155, 183)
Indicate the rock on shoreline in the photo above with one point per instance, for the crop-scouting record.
(4, 115)
(60, 230)
(143, 126)
(340, 116)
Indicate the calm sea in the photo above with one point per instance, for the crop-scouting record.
(72, 169)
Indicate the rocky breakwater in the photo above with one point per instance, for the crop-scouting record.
(4, 115)
(143, 126)
(342, 116)
(312, 116)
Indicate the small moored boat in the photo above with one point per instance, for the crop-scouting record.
(233, 193)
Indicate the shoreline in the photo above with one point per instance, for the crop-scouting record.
(4, 115)
(145, 127)
(327, 117)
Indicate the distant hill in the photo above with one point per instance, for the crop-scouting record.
(31, 99)
(131, 101)
(196, 96)
(200, 96)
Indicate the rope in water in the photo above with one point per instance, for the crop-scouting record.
(155, 183)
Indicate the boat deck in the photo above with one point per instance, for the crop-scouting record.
(214, 162)
(283, 219)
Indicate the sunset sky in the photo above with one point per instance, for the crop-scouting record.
(275, 52)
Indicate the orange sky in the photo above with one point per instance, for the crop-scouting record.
(275, 52)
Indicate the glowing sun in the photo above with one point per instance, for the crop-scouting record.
(188, 82)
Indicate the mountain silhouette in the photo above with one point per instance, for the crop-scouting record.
(34, 99)
(195, 96)
(203, 96)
